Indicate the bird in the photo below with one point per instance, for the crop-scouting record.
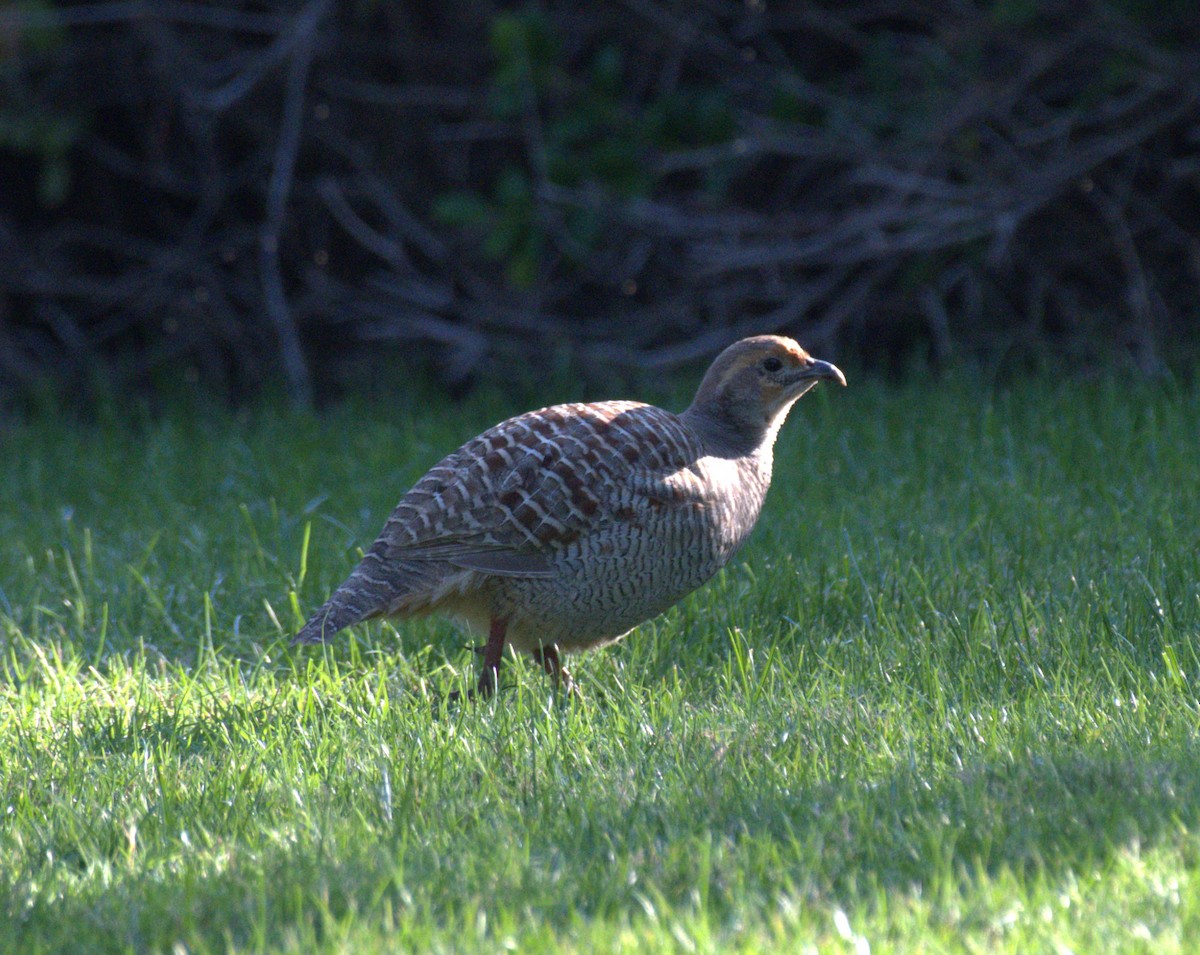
(562, 529)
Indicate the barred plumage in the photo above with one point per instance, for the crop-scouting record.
(564, 528)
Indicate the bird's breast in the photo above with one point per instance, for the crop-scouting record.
(661, 538)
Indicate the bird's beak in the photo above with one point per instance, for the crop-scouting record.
(816, 370)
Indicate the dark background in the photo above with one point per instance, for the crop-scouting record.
(319, 194)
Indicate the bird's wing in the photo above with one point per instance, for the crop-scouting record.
(507, 501)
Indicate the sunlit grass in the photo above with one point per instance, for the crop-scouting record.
(945, 700)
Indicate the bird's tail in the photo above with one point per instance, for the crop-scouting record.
(334, 615)
(365, 594)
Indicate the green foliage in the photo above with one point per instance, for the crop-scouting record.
(26, 127)
(33, 29)
(49, 139)
(945, 701)
(528, 62)
(1014, 13)
(789, 107)
(1153, 12)
(505, 222)
(589, 134)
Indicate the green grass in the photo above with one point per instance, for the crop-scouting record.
(946, 700)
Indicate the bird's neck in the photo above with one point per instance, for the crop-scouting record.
(730, 432)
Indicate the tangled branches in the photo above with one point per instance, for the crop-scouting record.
(225, 194)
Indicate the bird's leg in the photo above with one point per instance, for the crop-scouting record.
(493, 655)
(548, 657)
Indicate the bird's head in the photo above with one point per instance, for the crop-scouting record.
(750, 387)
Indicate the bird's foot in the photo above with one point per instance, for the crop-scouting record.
(485, 689)
(551, 662)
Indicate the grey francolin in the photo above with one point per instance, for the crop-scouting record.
(564, 528)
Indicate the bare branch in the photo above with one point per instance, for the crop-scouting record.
(275, 299)
(126, 11)
(296, 41)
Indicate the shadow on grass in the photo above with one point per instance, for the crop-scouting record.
(1047, 812)
(703, 835)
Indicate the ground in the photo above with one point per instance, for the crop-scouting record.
(945, 700)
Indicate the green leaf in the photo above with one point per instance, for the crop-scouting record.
(460, 209)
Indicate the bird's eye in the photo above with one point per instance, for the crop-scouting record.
(771, 364)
